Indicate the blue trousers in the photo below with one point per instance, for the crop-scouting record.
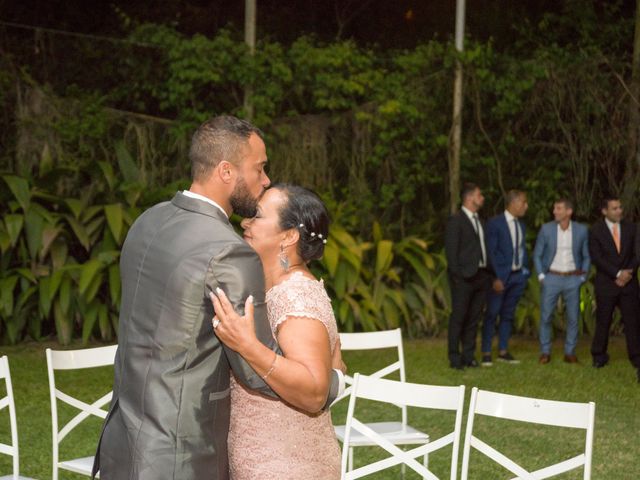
(552, 287)
(504, 305)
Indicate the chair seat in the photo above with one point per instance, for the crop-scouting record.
(79, 465)
(392, 431)
(19, 477)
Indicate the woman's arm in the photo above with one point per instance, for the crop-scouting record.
(302, 375)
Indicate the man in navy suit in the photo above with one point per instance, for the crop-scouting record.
(562, 260)
(507, 255)
(612, 245)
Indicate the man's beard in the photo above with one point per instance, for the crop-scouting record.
(242, 202)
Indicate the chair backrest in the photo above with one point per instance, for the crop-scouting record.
(8, 402)
(407, 395)
(73, 360)
(373, 341)
(531, 410)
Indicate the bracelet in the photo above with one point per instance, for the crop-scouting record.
(272, 368)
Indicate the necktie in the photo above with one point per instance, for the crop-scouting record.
(616, 236)
(475, 219)
(516, 250)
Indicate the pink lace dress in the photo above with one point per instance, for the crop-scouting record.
(269, 439)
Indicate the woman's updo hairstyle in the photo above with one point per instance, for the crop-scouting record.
(304, 211)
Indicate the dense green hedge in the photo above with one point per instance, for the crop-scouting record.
(368, 129)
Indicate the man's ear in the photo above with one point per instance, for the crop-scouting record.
(291, 237)
(224, 170)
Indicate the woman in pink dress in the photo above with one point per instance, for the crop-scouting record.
(290, 438)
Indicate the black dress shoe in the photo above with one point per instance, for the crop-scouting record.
(473, 364)
(599, 363)
(457, 366)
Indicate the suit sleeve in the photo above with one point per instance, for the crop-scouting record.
(598, 256)
(238, 271)
(451, 246)
(539, 250)
(492, 250)
(586, 256)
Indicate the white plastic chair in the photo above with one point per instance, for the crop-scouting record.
(405, 394)
(72, 360)
(398, 433)
(532, 410)
(10, 449)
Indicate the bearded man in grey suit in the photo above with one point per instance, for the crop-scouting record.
(169, 416)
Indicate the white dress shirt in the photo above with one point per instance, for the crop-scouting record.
(563, 260)
(197, 196)
(478, 228)
(513, 224)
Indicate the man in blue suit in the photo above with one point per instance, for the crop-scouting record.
(508, 257)
(562, 260)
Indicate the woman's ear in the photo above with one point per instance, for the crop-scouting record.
(291, 237)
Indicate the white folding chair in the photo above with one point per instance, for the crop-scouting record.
(405, 394)
(10, 449)
(398, 433)
(532, 410)
(72, 360)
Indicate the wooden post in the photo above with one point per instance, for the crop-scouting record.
(456, 128)
(250, 40)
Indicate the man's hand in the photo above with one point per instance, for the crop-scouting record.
(624, 278)
(498, 286)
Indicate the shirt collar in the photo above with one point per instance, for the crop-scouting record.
(564, 231)
(609, 223)
(197, 196)
(508, 216)
(468, 212)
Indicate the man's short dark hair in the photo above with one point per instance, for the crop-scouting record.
(512, 195)
(604, 203)
(567, 203)
(467, 189)
(221, 138)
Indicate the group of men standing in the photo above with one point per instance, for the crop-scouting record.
(487, 266)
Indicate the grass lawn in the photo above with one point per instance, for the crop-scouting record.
(613, 388)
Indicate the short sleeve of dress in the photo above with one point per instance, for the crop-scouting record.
(300, 296)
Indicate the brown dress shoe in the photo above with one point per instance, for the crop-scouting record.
(570, 359)
(544, 359)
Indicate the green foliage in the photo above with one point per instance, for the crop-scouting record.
(59, 256)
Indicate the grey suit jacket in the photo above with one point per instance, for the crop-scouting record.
(169, 416)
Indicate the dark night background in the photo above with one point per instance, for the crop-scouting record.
(388, 24)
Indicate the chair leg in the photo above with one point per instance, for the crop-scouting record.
(425, 462)
(350, 468)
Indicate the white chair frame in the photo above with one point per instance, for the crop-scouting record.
(531, 410)
(398, 433)
(8, 402)
(72, 360)
(406, 394)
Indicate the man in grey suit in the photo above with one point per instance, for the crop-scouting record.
(561, 257)
(169, 416)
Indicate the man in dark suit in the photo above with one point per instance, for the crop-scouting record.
(469, 278)
(507, 255)
(612, 244)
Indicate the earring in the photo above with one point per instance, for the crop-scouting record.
(284, 259)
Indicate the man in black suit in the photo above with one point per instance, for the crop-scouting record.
(612, 248)
(469, 278)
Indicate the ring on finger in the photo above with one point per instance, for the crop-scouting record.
(216, 322)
